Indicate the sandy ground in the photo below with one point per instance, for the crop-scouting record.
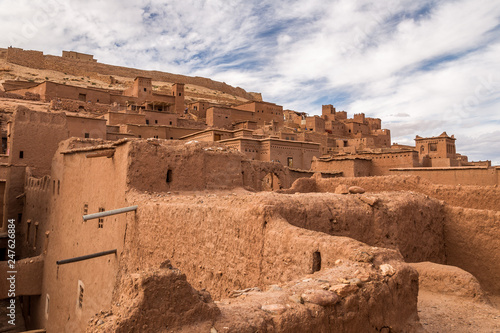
(447, 313)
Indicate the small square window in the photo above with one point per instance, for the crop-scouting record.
(156, 121)
(145, 89)
(147, 122)
(21, 154)
(87, 135)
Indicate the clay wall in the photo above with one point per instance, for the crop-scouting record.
(185, 166)
(349, 167)
(189, 123)
(359, 118)
(219, 117)
(160, 118)
(382, 163)
(392, 224)
(84, 127)
(374, 123)
(14, 186)
(263, 112)
(472, 243)
(28, 58)
(119, 118)
(475, 197)
(315, 124)
(28, 282)
(337, 128)
(78, 56)
(379, 164)
(481, 176)
(145, 131)
(175, 133)
(32, 228)
(354, 128)
(297, 155)
(35, 137)
(436, 147)
(249, 240)
(77, 106)
(82, 187)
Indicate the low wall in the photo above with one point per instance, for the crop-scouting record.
(482, 176)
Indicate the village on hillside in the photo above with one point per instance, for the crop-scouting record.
(126, 192)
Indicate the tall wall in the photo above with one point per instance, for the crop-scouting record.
(83, 186)
(34, 139)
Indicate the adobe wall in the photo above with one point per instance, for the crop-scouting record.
(301, 153)
(472, 243)
(161, 118)
(476, 197)
(98, 182)
(469, 234)
(81, 126)
(480, 176)
(36, 135)
(382, 163)
(120, 118)
(32, 228)
(193, 166)
(28, 58)
(28, 282)
(348, 167)
(388, 221)
(245, 241)
(78, 106)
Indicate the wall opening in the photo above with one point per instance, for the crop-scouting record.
(87, 135)
(169, 176)
(28, 231)
(21, 154)
(82, 97)
(316, 264)
(100, 221)
(81, 289)
(290, 162)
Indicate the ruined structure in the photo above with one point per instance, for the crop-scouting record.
(231, 217)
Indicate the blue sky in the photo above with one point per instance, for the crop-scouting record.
(424, 67)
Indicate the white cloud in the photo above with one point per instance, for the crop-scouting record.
(435, 61)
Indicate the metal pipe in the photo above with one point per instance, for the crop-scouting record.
(109, 212)
(88, 256)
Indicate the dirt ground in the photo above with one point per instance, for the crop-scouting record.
(448, 313)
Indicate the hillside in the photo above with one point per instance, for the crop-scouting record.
(17, 64)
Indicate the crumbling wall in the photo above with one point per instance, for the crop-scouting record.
(77, 106)
(226, 242)
(408, 222)
(476, 197)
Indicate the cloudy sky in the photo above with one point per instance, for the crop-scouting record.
(424, 66)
